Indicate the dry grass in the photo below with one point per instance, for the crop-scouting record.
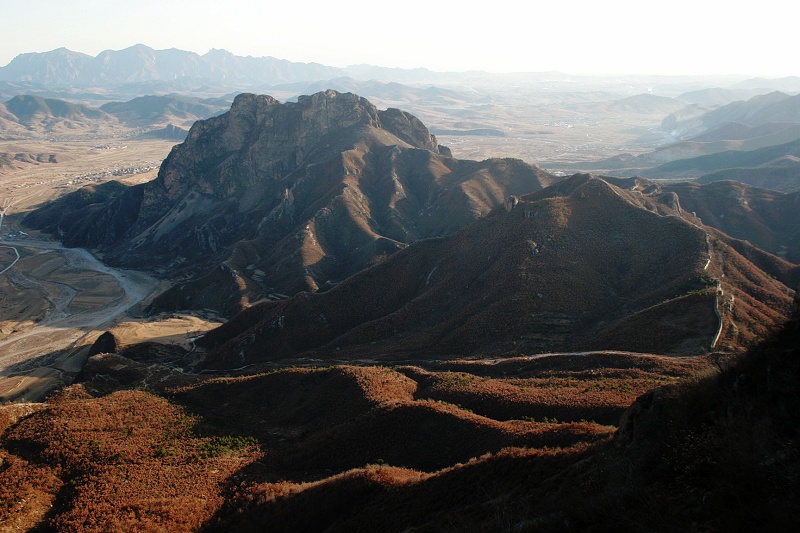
(133, 461)
(374, 415)
(346, 448)
(597, 395)
(129, 460)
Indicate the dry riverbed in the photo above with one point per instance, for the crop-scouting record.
(54, 301)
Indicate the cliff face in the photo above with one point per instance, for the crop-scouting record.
(261, 140)
(279, 198)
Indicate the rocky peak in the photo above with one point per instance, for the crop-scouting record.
(410, 129)
(330, 109)
(262, 139)
(285, 197)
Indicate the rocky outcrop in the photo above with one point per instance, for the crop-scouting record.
(169, 132)
(277, 198)
(105, 343)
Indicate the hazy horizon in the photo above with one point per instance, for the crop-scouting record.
(583, 38)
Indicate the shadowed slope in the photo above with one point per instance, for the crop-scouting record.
(580, 265)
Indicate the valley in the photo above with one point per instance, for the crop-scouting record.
(56, 300)
(44, 346)
(410, 308)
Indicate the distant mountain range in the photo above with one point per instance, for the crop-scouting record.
(775, 107)
(753, 141)
(28, 114)
(775, 167)
(168, 109)
(141, 63)
(174, 70)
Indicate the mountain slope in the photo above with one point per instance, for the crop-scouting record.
(25, 114)
(163, 110)
(26, 108)
(783, 176)
(763, 217)
(279, 198)
(727, 159)
(762, 109)
(580, 265)
(57, 67)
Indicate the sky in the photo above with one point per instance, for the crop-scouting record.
(575, 37)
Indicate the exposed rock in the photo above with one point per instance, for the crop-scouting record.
(105, 343)
(307, 193)
(641, 418)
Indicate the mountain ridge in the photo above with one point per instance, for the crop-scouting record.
(487, 289)
(279, 198)
(140, 63)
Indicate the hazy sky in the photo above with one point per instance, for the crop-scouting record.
(577, 36)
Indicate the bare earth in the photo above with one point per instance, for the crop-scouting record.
(55, 301)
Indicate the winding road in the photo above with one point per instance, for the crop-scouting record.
(6, 269)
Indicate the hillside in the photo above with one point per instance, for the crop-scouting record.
(783, 176)
(164, 110)
(26, 108)
(771, 157)
(765, 218)
(138, 445)
(101, 459)
(700, 132)
(24, 115)
(280, 198)
(775, 107)
(581, 265)
(716, 96)
(728, 159)
(646, 103)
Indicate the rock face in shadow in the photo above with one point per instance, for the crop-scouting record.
(105, 343)
(280, 198)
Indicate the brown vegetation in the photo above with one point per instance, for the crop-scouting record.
(443, 446)
(125, 461)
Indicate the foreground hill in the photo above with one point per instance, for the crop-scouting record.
(115, 453)
(392, 453)
(581, 265)
(279, 198)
